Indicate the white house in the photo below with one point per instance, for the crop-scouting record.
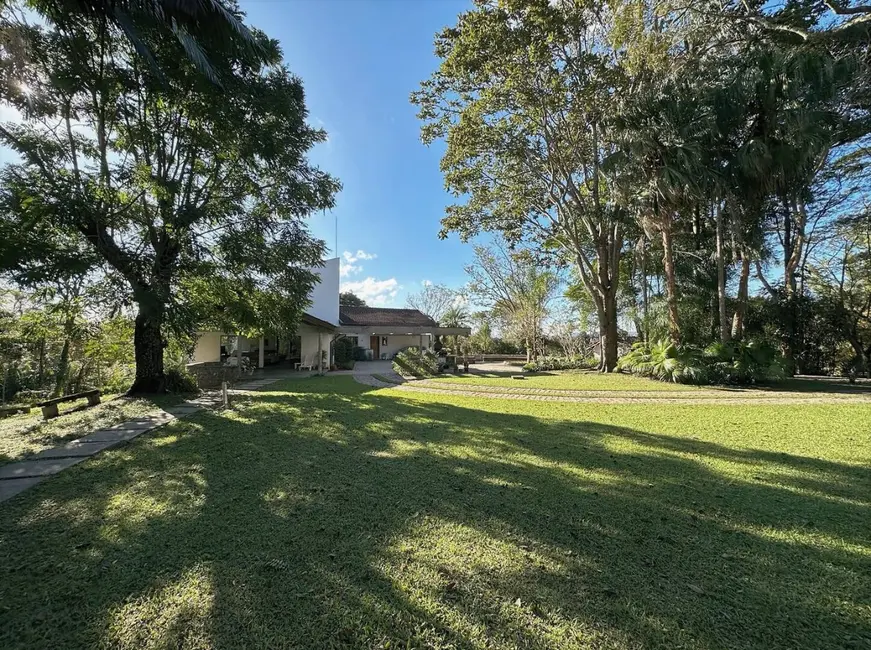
(381, 331)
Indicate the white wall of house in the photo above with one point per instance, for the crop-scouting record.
(324, 295)
(207, 348)
(308, 340)
(395, 342)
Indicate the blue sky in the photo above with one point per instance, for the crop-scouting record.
(359, 60)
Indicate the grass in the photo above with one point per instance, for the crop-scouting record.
(566, 380)
(585, 380)
(26, 434)
(325, 514)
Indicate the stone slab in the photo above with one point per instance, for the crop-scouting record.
(112, 435)
(184, 410)
(76, 449)
(9, 488)
(137, 424)
(29, 468)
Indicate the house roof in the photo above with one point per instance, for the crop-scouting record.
(381, 316)
(314, 321)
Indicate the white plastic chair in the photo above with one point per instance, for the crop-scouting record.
(307, 363)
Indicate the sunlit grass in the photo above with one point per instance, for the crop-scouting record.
(26, 434)
(323, 514)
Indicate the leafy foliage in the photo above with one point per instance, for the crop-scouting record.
(666, 361)
(411, 362)
(561, 363)
(192, 203)
(343, 353)
(180, 381)
(734, 363)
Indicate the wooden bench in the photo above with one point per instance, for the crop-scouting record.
(49, 407)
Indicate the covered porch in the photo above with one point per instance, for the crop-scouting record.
(385, 341)
(218, 356)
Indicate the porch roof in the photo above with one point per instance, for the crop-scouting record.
(314, 321)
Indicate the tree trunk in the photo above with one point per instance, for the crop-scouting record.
(63, 366)
(741, 304)
(645, 295)
(670, 284)
(721, 278)
(148, 352)
(608, 335)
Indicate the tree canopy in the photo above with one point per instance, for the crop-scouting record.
(189, 199)
(678, 156)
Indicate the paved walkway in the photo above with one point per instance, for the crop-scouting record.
(615, 397)
(19, 476)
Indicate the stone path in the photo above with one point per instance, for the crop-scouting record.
(613, 397)
(19, 476)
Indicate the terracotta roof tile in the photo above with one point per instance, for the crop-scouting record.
(384, 317)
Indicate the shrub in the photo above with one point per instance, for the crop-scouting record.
(733, 363)
(412, 363)
(343, 352)
(665, 361)
(179, 380)
(29, 396)
(744, 362)
(560, 363)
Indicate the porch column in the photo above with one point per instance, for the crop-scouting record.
(239, 352)
(421, 342)
(260, 361)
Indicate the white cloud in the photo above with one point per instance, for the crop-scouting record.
(460, 300)
(359, 255)
(426, 283)
(374, 292)
(348, 267)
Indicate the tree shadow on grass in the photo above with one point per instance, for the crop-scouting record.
(336, 516)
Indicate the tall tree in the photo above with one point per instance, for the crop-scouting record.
(192, 197)
(520, 98)
(350, 299)
(434, 300)
(510, 284)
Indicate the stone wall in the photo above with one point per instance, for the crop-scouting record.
(211, 374)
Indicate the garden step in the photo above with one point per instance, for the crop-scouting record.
(10, 487)
(76, 449)
(31, 468)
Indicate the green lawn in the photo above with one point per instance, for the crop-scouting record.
(26, 434)
(586, 380)
(325, 514)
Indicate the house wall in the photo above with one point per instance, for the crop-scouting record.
(308, 337)
(324, 295)
(395, 342)
(207, 348)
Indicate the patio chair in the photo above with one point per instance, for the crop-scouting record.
(307, 363)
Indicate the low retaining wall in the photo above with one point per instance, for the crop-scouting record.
(210, 374)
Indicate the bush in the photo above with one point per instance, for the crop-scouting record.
(343, 352)
(560, 363)
(743, 362)
(412, 363)
(733, 363)
(29, 396)
(179, 380)
(665, 361)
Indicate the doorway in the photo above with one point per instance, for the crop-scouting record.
(375, 345)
